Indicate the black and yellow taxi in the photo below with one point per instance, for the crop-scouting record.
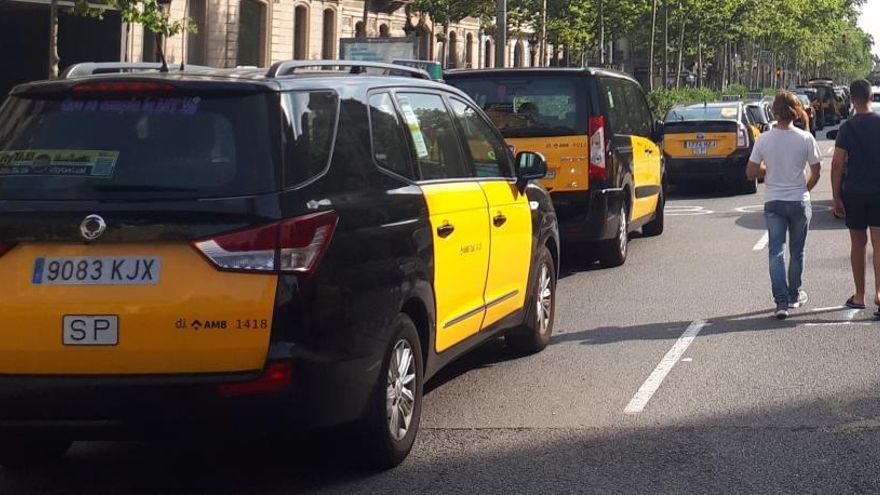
(709, 142)
(605, 172)
(253, 249)
(831, 108)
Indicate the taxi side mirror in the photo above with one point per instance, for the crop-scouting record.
(529, 166)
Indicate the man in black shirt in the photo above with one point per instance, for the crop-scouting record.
(855, 183)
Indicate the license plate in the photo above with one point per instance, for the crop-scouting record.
(90, 330)
(699, 147)
(97, 270)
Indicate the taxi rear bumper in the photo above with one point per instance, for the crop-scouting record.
(728, 168)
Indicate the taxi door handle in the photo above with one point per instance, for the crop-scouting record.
(499, 220)
(445, 230)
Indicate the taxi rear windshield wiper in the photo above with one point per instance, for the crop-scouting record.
(142, 188)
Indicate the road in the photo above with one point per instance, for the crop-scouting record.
(666, 375)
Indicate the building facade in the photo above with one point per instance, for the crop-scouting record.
(258, 33)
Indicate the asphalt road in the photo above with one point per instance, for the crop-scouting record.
(751, 405)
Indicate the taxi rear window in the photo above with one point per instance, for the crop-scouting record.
(702, 113)
(139, 147)
(532, 105)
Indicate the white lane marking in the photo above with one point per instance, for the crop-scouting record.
(851, 314)
(685, 210)
(762, 242)
(840, 324)
(830, 151)
(646, 391)
(829, 308)
(751, 209)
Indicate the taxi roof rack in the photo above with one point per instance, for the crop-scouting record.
(288, 67)
(92, 68)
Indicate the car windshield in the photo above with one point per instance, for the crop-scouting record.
(876, 97)
(702, 113)
(137, 147)
(757, 114)
(530, 105)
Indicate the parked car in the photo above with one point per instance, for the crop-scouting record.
(709, 142)
(831, 107)
(605, 171)
(256, 250)
(809, 123)
(761, 115)
(818, 113)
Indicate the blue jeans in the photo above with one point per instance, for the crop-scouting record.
(792, 217)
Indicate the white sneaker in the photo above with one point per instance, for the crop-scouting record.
(801, 300)
(781, 311)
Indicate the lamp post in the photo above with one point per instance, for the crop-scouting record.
(501, 33)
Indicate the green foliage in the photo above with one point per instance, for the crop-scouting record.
(662, 100)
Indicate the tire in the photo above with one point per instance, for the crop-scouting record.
(655, 226)
(534, 334)
(613, 251)
(31, 449)
(381, 447)
(749, 186)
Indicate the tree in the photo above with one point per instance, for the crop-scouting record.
(446, 12)
(152, 14)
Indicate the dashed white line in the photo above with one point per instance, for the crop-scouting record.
(647, 390)
(830, 151)
(762, 242)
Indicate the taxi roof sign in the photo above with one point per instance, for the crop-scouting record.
(434, 69)
(727, 98)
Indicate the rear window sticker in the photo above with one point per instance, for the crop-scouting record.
(81, 163)
(728, 112)
(415, 128)
(184, 106)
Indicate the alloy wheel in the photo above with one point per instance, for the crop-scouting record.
(545, 299)
(401, 389)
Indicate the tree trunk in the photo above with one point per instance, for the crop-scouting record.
(160, 50)
(444, 57)
(666, 43)
(700, 69)
(366, 16)
(680, 47)
(53, 39)
(653, 37)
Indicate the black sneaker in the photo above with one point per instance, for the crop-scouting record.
(801, 300)
(781, 311)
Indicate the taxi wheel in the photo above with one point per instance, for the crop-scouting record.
(613, 251)
(749, 186)
(534, 334)
(655, 226)
(23, 450)
(390, 428)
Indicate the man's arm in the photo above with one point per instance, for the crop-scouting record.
(838, 165)
(815, 173)
(755, 170)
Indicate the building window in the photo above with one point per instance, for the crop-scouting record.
(468, 50)
(487, 55)
(252, 33)
(518, 54)
(328, 42)
(452, 57)
(359, 31)
(301, 32)
(196, 48)
(384, 32)
(150, 49)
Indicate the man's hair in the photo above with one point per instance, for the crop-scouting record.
(860, 92)
(787, 107)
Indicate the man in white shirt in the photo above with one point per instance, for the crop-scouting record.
(781, 156)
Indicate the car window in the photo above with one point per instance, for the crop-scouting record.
(615, 95)
(389, 141)
(702, 112)
(488, 153)
(139, 146)
(529, 105)
(433, 137)
(637, 110)
(310, 128)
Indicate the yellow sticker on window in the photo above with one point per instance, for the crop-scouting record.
(728, 112)
(79, 163)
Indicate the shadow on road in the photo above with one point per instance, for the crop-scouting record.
(823, 219)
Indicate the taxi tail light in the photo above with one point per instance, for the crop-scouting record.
(598, 149)
(742, 137)
(274, 378)
(289, 246)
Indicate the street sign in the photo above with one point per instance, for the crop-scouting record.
(378, 49)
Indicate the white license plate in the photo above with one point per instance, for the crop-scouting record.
(97, 270)
(700, 147)
(90, 330)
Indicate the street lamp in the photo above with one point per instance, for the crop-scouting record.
(500, 33)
